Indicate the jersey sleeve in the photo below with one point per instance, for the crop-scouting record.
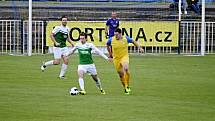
(91, 45)
(98, 51)
(109, 42)
(71, 51)
(55, 30)
(129, 40)
(108, 22)
(117, 24)
(68, 29)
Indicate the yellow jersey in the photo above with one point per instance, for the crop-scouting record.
(119, 47)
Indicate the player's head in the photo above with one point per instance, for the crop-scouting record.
(118, 33)
(83, 37)
(64, 20)
(114, 15)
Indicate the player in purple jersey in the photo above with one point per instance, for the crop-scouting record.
(111, 25)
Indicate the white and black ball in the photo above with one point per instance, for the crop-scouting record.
(73, 91)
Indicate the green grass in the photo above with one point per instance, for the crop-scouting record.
(165, 88)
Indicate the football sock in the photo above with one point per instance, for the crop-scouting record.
(63, 70)
(81, 83)
(123, 80)
(48, 63)
(127, 76)
(98, 84)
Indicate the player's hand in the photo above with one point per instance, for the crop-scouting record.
(110, 60)
(110, 56)
(57, 44)
(106, 35)
(141, 50)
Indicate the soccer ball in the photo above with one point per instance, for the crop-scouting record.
(73, 91)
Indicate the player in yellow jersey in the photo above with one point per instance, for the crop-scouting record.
(117, 47)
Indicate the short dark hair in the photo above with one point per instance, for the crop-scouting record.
(63, 16)
(118, 30)
(83, 34)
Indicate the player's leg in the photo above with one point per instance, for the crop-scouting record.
(122, 77)
(125, 66)
(98, 83)
(65, 63)
(81, 72)
(64, 67)
(91, 69)
(119, 70)
(56, 61)
(185, 6)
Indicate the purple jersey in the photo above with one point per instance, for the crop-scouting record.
(113, 24)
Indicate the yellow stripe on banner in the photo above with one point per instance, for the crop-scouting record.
(147, 33)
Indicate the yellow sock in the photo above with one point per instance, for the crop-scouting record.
(123, 81)
(127, 77)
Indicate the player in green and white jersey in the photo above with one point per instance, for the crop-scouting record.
(86, 63)
(59, 36)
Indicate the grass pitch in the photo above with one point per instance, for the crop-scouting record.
(164, 88)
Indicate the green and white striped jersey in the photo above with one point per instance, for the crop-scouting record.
(61, 35)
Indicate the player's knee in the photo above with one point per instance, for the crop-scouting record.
(126, 69)
(80, 74)
(121, 74)
(95, 77)
(66, 62)
(56, 62)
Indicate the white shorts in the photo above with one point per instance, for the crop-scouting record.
(89, 68)
(58, 52)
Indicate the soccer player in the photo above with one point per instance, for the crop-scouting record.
(111, 25)
(193, 4)
(117, 47)
(59, 36)
(86, 64)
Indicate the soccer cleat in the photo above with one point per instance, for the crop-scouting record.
(102, 92)
(127, 91)
(82, 92)
(43, 67)
(62, 77)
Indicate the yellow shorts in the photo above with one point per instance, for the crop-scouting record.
(118, 62)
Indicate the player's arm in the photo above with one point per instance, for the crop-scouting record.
(130, 40)
(70, 52)
(106, 31)
(100, 53)
(109, 49)
(137, 45)
(117, 25)
(107, 28)
(53, 38)
(70, 41)
(54, 41)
